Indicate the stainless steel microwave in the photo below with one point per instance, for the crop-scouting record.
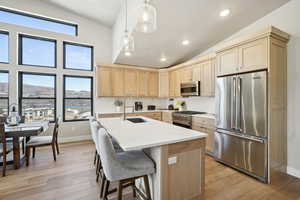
(190, 88)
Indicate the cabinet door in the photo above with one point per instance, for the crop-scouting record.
(143, 77)
(186, 75)
(197, 72)
(228, 62)
(171, 84)
(207, 79)
(210, 140)
(177, 82)
(104, 84)
(130, 82)
(117, 82)
(153, 84)
(253, 56)
(164, 84)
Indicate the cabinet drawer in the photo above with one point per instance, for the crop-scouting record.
(205, 122)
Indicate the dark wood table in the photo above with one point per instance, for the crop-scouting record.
(23, 130)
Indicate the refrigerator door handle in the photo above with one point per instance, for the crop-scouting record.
(233, 104)
(238, 104)
(262, 141)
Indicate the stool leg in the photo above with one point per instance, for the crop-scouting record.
(103, 180)
(133, 189)
(95, 157)
(120, 190)
(33, 152)
(107, 183)
(147, 188)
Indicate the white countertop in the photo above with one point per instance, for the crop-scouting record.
(153, 133)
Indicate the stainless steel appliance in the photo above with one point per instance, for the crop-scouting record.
(190, 89)
(138, 105)
(184, 118)
(241, 139)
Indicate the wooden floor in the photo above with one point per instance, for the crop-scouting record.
(72, 177)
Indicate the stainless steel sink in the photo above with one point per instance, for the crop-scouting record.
(137, 120)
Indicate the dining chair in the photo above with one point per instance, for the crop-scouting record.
(40, 141)
(123, 167)
(5, 148)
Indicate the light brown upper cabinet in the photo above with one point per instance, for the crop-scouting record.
(253, 55)
(130, 82)
(104, 84)
(153, 84)
(196, 72)
(247, 57)
(164, 84)
(143, 79)
(117, 82)
(174, 83)
(228, 62)
(208, 78)
(186, 74)
(110, 82)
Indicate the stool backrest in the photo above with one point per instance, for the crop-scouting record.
(110, 163)
(91, 120)
(94, 129)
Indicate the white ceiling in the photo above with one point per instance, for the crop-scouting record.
(102, 11)
(195, 20)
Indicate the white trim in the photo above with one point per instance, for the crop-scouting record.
(74, 139)
(294, 172)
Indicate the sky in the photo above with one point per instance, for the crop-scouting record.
(12, 18)
(3, 47)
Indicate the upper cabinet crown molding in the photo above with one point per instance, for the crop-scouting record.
(266, 32)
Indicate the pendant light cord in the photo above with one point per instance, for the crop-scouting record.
(126, 16)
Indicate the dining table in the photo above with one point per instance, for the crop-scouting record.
(23, 130)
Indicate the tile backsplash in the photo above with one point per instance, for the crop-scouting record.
(203, 104)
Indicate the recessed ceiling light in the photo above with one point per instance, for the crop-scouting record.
(127, 53)
(185, 42)
(224, 13)
(163, 59)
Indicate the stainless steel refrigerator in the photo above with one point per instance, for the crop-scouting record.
(241, 139)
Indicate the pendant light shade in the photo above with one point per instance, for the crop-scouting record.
(128, 44)
(128, 40)
(147, 18)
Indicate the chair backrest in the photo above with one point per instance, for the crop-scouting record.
(56, 129)
(2, 120)
(110, 163)
(2, 139)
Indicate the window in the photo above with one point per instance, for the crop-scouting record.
(37, 22)
(3, 94)
(77, 56)
(3, 47)
(37, 96)
(78, 98)
(36, 51)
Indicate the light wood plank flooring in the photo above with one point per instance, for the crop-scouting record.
(72, 177)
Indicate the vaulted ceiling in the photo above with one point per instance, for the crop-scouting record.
(195, 20)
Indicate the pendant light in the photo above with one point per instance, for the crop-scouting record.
(128, 41)
(147, 18)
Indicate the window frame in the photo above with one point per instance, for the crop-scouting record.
(8, 49)
(80, 45)
(80, 98)
(36, 16)
(20, 50)
(7, 72)
(20, 95)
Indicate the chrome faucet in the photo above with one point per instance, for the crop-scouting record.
(124, 108)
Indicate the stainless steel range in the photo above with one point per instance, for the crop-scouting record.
(184, 118)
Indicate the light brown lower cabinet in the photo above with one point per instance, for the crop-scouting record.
(205, 125)
(167, 117)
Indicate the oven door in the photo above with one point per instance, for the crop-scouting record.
(190, 89)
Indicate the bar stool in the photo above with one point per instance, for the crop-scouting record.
(124, 167)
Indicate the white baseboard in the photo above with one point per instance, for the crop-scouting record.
(293, 172)
(74, 139)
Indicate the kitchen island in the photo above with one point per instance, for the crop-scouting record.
(179, 155)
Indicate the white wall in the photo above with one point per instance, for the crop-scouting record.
(89, 33)
(285, 18)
